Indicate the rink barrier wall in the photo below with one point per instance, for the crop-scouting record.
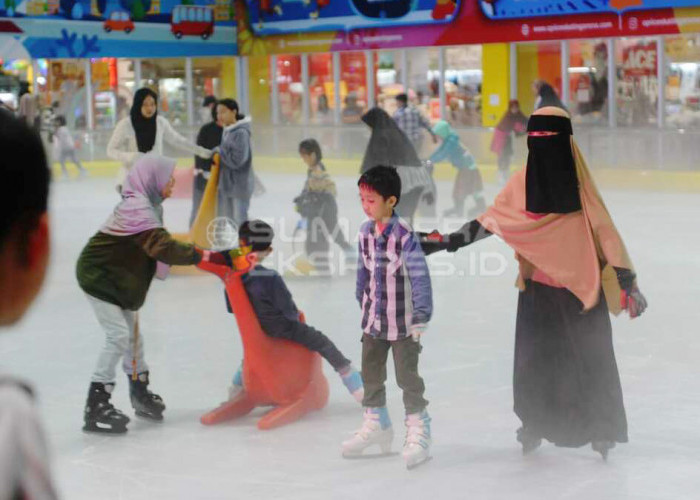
(608, 178)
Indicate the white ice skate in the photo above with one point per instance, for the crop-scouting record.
(371, 433)
(416, 448)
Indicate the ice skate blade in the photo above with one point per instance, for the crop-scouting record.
(418, 464)
(603, 448)
(148, 416)
(93, 428)
(360, 456)
(531, 447)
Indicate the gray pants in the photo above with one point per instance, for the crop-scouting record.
(118, 325)
(69, 155)
(235, 209)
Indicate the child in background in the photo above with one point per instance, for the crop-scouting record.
(395, 295)
(468, 181)
(512, 122)
(278, 314)
(317, 203)
(64, 146)
(115, 270)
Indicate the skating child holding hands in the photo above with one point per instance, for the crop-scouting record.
(115, 271)
(395, 295)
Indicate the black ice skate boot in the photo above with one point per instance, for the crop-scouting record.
(100, 416)
(146, 404)
(529, 440)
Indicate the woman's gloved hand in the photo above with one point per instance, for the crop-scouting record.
(435, 242)
(431, 242)
(633, 301)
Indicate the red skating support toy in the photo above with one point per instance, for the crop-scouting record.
(276, 372)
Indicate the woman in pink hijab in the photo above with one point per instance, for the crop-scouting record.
(565, 384)
(115, 270)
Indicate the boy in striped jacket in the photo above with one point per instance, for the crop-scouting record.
(395, 295)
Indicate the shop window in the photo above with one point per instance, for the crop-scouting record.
(463, 79)
(682, 85)
(167, 78)
(66, 83)
(353, 87)
(389, 77)
(537, 62)
(423, 80)
(588, 81)
(636, 63)
(208, 78)
(321, 89)
(289, 88)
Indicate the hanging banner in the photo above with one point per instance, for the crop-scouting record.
(472, 22)
(292, 16)
(524, 9)
(116, 28)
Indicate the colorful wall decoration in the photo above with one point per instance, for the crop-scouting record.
(292, 16)
(116, 28)
(477, 21)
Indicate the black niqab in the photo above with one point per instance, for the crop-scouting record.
(145, 128)
(551, 183)
(388, 145)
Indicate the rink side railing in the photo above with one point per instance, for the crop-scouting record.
(618, 148)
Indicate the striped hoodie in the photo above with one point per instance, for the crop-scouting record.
(393, 282)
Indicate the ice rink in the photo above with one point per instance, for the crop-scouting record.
(193, 348)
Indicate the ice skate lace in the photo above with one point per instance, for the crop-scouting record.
(369, 426)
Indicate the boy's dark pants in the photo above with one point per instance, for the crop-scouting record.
(313, 340)
(374, 357)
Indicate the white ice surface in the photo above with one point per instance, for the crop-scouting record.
(193, 348)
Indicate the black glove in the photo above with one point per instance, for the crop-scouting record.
(435, 242)
(432, 242)
(631, 299)
(455, 241)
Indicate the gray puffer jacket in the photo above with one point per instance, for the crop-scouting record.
(236, 179)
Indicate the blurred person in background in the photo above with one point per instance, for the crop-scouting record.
(24, 257)
(205, 112)
(411, 121)
(64, 147)
(209, 137)
(512, 122)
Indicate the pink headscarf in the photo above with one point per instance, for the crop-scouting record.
(577, 249)
(140, 209)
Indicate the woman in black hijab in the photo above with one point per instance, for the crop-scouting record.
(143, 131)
(547, 96)
(389, 146)
(143, 118)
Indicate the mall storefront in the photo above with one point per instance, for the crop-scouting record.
(618, 91)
